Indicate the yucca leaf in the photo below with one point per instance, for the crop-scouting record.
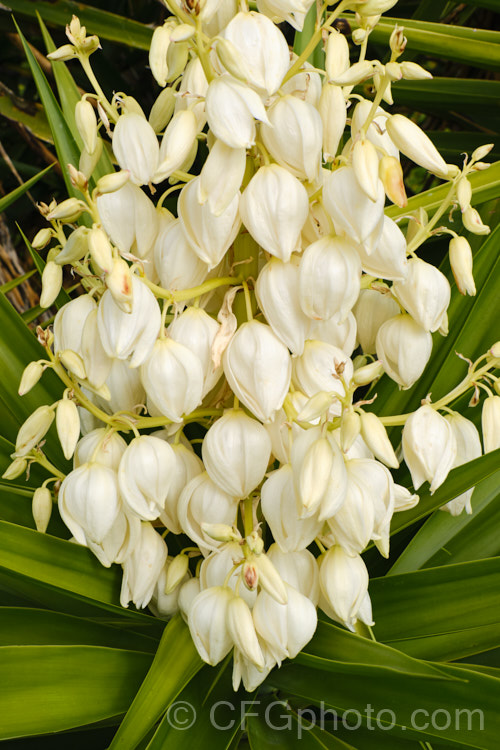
(11, 197)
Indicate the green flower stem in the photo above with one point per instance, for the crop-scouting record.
(111, 111)
(38, 457)
(246, 254)
(195, 291)
(426, 231)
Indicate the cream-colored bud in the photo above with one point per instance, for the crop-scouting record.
(413, 72)
(473, 223)
(481, 152)
(62, 54)
(391, 174)
(33, 430)
(88, 162)
(368, 373)
(158, 53)
(75, 248)
(393, 71)
(494, 351)
(100, 249)
(221, 532)
(242, 630)
(365, 164)
(374, 434)
(176, 144)
(30, 377)
(119, 283)
(52, 278)
(162, 109)
(42, 508)
(333, 112)
(78, 178)
(86, 123)
(112, 182)
(68, 426)
(337, 54)
(231, 110)
(416, 145)
(176, 572)
(357, 73)
(358, 36)
(464, 193)
(67, 211)
(232, 60)
(73, 362)
(490, 422)
(136, 147)
(461, 265)
(350, 428)
(15, 469)
(42, 238)
(315, 407)
(424, 293)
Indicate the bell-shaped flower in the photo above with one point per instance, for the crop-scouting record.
(187, 594)
(344, 584)
(259, 571)
(242, 630)
(33, 429)
(143, 567)
(192, 91)
(136, 147)
(178, 266)
(372, 310)
(258, 368)
(336, 54)
(196, 330)
(262, 47)
(187, 466)
(404, 349)
(468, 448)
(291, 11)
(221, 176)
(275, 222)
(100, 446)
(144, 476)
(208, 623)
(294, 138)
(125, 387)
(425, 294)
(280, 430)
(210, 236)
(387, 259)
(173, 379)
(96, 361)
(403, 498)
(353, 524)
(236, 451)
(130, 334)
(365, 163)
(286, 628)
(334, 332)
(382, 486)
(416, 145)
(245, 671)
(176, 144)
(461, 265)
(298, 568)
(70, 322)
(429, 447)
(231, 109)
(277, 291)
(376, 131)
(119, 542)
(281, 511)
(202, 502)
(352, 212)
(130, 219)
(220, 567)
(305, 85)
(330, 276)
(89, 502)
(322, 367)
(319, 474)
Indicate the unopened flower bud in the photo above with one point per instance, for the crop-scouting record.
(221, 532)
(33, 430)
(494, 351)
(67, 211)
(52, 277)
(429, 447)
(337, 54)
(86, 123)
(393, 71)
(100, 249)
(464, 193)
(473, 223)
(368, 373)
(358, 36)
(136, 147)
(357, 73)
(350, 427)
(30, 377)
(481, 152)
(176, 572)
(112, 182)
(73, 362)
(162, 109)
(119, 283)
(68, 426)
(158, 49)
(42, 508)
(416, 145)
(62, 54)
(315, 407)
(391, 174)
(15, 469)
(397, 41)
(374, 434)
(490, 422)
(413, 72)
(42, 238)
(242, 630)
(461, 265)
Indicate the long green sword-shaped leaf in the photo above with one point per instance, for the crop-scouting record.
(66, 148)
(11, 197)
(53, 688)
(175, 664)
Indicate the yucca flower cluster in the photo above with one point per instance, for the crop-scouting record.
(264, 312)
